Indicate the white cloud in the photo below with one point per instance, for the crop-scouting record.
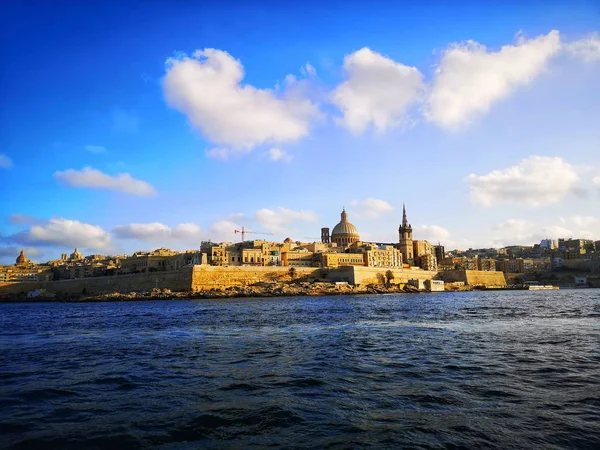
(223, 230)
(378, 91)
(535, 181)
(587, 234)
(596, 181)
(277, 154)
(95, 149)
(5, 162)
(65, 233)
(587, 49)
(515, 225)
(308, 70)
(584, 221)
(556, 232)
(523, 232)
(432, 233)
(276, 221)
(94, 179)
(436, 234)
(156, 231)
(371, 208)
(469, 78)
(208, 89)
(514, 232)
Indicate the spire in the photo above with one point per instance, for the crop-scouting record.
(404, 219)
(344, 215)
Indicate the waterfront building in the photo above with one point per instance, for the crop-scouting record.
(24, 270)
(78, 266)
(510, 265)
(446, 264)
(428, 262)
(382, 256)
(252, 256)
(423, 253)
(486, 264)
(421, 247)
(343, 259)
(439, 251)
(141, 262)
(575, 248)
(434, 285)
(300, 257)
(549, 244)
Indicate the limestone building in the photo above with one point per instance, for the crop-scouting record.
(406, 242)
(24, 271)
(142, 262)
(382, 256)
(76, 255)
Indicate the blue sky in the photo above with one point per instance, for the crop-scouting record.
(115, 135)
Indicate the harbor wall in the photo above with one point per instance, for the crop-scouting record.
(178, 280)
(221, 277)
(373, 275)
(475, 277)
(203, 277)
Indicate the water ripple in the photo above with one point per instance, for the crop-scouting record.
(471, 370)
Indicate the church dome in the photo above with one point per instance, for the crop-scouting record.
(344, 233)
(22, 259)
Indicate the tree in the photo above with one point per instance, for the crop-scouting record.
(389, 276)
(292, 272)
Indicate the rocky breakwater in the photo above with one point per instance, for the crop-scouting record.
(301, 289)
(281, 289)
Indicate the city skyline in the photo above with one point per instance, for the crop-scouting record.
(166, 133)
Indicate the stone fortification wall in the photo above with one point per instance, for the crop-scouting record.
(475, 277)
(219, 277)
(204, 277)
(215, 277)
(15, 288)
(372, 275)
(180, 280)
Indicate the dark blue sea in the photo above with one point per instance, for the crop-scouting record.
(427, 371)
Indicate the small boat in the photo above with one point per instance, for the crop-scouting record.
(538, 287)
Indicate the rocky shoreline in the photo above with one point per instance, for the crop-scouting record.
(253, 291)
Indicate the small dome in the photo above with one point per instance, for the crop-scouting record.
(22, 259)
(288, 241)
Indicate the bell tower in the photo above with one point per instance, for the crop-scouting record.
(406, 243)
(325, 238)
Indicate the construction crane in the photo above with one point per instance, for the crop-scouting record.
(244, 233)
